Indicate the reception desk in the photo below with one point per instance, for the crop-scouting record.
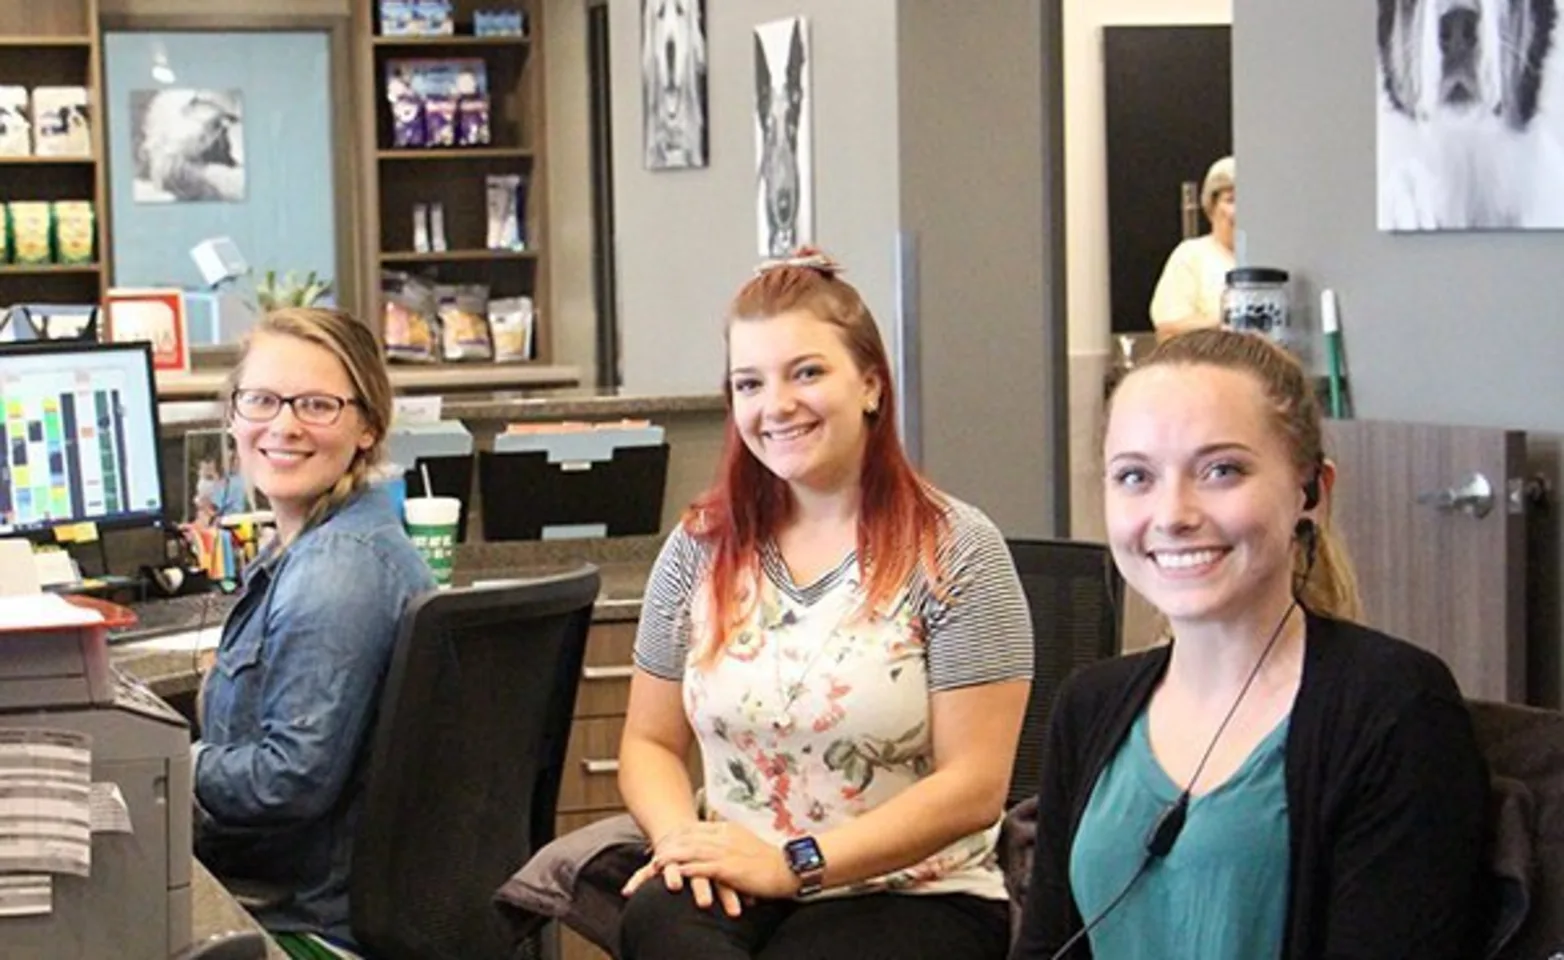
(586, 794)
(214, 910)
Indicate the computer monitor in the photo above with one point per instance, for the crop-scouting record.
(78, 437)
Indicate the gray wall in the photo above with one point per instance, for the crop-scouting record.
(974, 195)
(686, 238)
(927, 118)
(1457, 328)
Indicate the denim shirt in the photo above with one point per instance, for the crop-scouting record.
(289, 705)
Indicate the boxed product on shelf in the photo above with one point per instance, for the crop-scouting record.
(435, 16)
(416, 18)
(61, 124)
(436, 103)
(15, 130)
(74, 231)
(499, 23)
(28, 223)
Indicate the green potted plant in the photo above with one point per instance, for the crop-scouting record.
(290, 290)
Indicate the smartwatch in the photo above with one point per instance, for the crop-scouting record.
(807, 863)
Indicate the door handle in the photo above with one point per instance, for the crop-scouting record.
(1472, 496)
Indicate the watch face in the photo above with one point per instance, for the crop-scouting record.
(803, 855)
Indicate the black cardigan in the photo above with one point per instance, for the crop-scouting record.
(1387, 799)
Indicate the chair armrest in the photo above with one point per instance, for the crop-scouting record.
(576, 880)
(1017, 840)
(254, 895)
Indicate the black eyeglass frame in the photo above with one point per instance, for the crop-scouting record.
(342, 404)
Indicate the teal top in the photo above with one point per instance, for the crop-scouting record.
(1221, 893)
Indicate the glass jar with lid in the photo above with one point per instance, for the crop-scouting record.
(1256, 299)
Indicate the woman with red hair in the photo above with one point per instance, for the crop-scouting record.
(852, 650)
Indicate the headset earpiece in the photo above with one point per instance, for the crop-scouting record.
(1311, 491)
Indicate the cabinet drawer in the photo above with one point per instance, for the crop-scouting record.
(590, 780)
(572, 946)
(605, 670)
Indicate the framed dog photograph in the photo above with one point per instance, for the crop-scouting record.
(188, 145)
(673, 83)
(784, 170)
(1470, 128)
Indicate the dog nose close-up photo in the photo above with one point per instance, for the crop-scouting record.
(1467, 139)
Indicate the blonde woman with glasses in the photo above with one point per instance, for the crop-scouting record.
(286, 710)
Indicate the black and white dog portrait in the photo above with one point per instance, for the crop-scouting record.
(1470, 131)
(785, 207)
(673, 83)
(188, 144)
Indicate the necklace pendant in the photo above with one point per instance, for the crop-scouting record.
(783, 724)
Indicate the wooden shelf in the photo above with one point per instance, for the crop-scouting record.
(60, 41)
(452, 256)
(435, 377)
(42, 161)
(32, 269)
(455, 153)
(451, 40)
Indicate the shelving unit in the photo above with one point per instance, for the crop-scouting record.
(46, 161)
(397, 179)
(452, 256)
(36, 269)
(56, 43)
(455, 40)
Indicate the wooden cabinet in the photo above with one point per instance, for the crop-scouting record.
(50, 44)
(589, 787)
(398, 179)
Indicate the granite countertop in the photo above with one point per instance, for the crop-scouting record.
(623, 564)
(558, 404)
(213, 910)
(184, 414)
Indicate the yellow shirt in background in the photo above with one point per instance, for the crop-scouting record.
(1192, 282)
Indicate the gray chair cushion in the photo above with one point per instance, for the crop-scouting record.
(576, 880)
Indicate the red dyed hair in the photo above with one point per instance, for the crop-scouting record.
(900, 517)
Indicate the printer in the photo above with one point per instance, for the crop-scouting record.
(135, 903)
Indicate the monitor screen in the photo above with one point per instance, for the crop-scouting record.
(78, 436)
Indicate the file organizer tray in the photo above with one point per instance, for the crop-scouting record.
(589, 483)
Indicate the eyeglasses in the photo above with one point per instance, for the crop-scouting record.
(316, 409)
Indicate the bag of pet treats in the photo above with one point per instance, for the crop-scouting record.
(411, 331)
(31, 227)
(464, 321)
(510, 324)
(15, 128)
(74, 231)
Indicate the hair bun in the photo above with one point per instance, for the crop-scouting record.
(804, 258)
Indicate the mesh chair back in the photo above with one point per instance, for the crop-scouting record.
(465, 764)
(1076, 597)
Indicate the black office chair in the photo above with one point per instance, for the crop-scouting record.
(1076, 597)
(465, 764)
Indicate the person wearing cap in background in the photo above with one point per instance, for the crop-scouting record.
(1189, 293)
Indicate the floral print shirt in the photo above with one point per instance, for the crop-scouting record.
(816, 713)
